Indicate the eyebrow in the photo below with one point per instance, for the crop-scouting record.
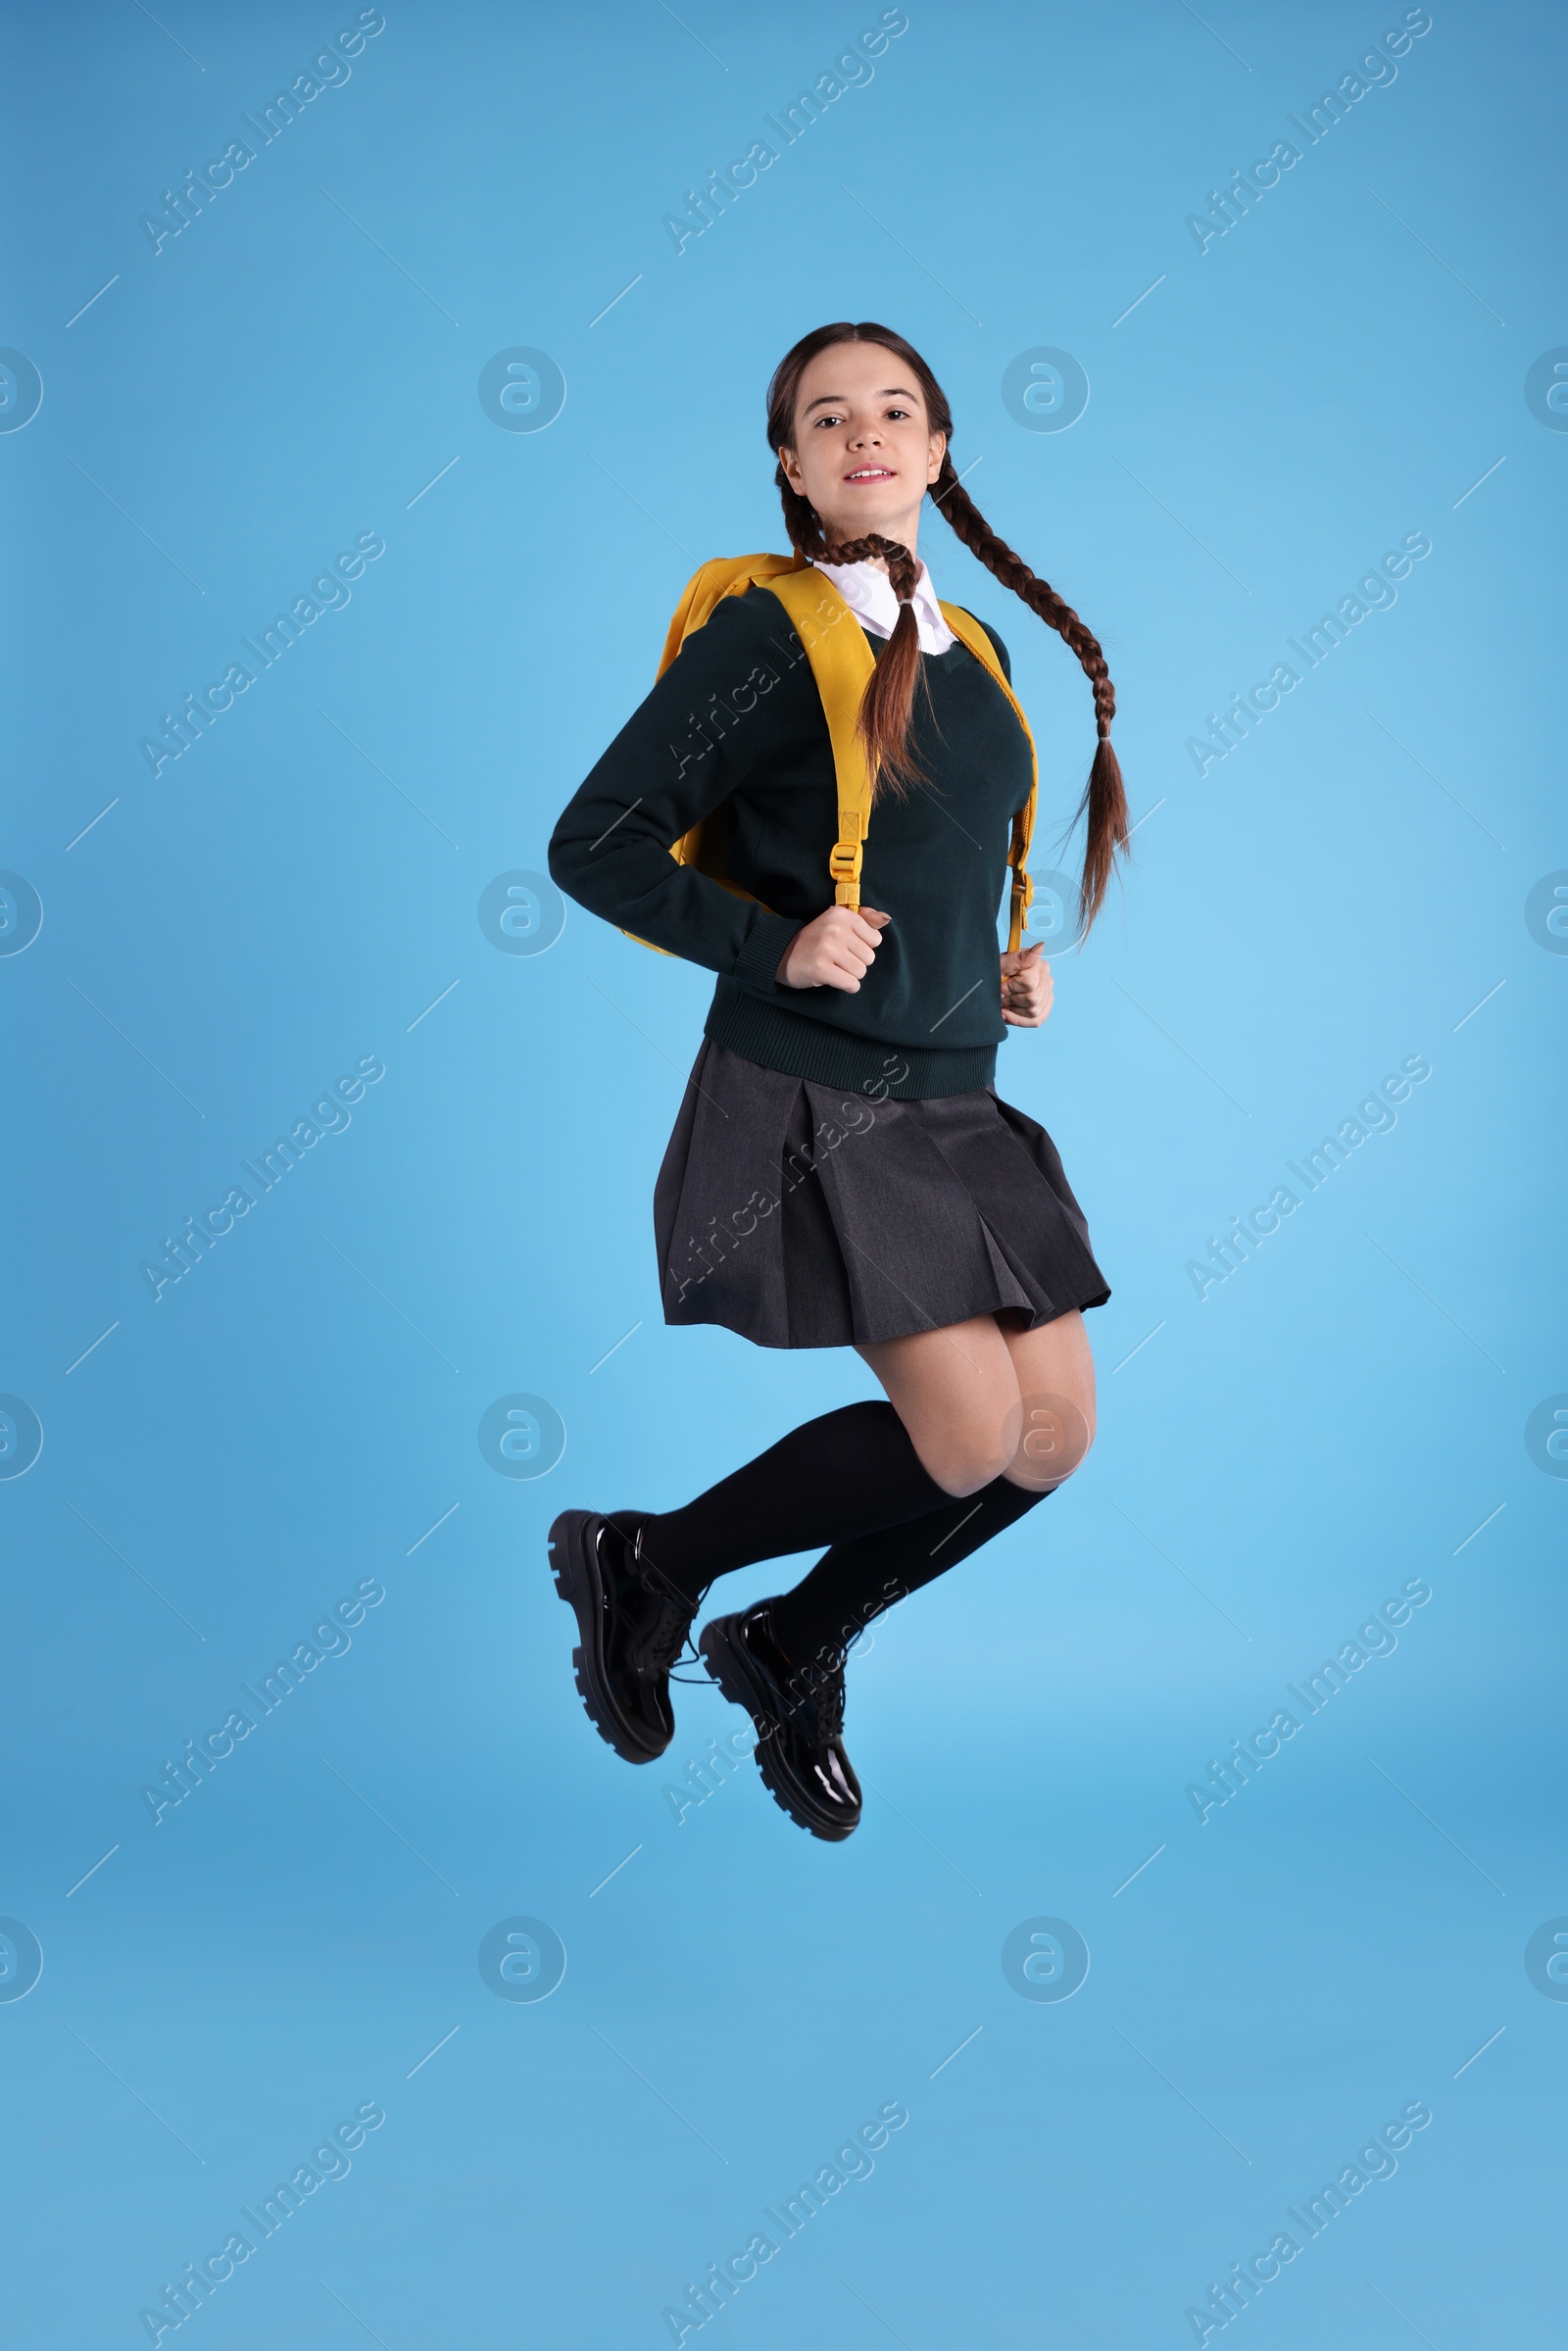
(840, 400)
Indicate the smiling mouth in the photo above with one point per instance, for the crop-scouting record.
(871, 473)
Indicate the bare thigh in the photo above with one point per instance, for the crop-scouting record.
(981, 1401)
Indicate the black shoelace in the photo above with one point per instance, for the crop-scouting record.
(816, 1694)
(829, 1696)
(671, 1644)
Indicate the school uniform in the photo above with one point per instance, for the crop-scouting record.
(842, 1169)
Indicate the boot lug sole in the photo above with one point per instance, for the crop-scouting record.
(729, 1668)
(574, 1565)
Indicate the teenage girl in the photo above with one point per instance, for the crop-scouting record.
(842, 1173)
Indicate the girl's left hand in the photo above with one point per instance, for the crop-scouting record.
(1026, 987)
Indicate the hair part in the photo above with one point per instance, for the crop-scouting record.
(887, 712)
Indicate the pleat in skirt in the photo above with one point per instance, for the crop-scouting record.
(805, 1215)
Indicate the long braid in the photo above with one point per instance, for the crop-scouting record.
(1104, 797)
(890, 696)
(800, 517)
(888, 704)
(883, 725)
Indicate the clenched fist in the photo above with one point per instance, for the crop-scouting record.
(1026, 987)
(834, 950)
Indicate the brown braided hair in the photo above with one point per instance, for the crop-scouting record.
(887, 711)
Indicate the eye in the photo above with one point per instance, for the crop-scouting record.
(899, 414)
(829, 420)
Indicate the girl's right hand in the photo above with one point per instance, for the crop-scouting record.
(834, 950)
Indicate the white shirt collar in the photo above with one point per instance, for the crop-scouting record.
(868, 593)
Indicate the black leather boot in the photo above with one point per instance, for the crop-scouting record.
(633, 1624)
(799, 1714)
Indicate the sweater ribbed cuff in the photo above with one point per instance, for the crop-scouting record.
(760, 958)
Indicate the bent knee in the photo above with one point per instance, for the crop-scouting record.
(1058, 1433)
(961, 1466)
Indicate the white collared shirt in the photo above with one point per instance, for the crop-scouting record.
(868, 593)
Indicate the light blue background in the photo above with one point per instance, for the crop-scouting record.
(1340, 893)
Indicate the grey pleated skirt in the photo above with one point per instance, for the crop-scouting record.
(805, 1215)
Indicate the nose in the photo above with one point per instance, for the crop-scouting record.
(866, 435)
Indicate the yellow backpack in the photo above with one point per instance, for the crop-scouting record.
(842, 662)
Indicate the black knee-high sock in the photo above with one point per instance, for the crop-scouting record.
(856, 1580)
(844, 1474)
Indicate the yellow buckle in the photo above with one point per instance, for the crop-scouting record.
(845, 857)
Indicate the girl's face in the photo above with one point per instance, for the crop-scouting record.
(864, 454)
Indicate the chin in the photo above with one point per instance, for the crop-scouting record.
(859, 522)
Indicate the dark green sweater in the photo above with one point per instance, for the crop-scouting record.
(737, 718)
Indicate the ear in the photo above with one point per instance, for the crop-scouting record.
(792, 471)
(938, 451)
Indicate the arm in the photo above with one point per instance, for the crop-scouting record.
(663, 773)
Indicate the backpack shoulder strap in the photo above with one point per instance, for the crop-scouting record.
(705, 588)
(842, 663)
(712, 582)
(708, 585)
(965, 625)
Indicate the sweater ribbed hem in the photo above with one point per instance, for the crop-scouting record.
(802, 1047)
